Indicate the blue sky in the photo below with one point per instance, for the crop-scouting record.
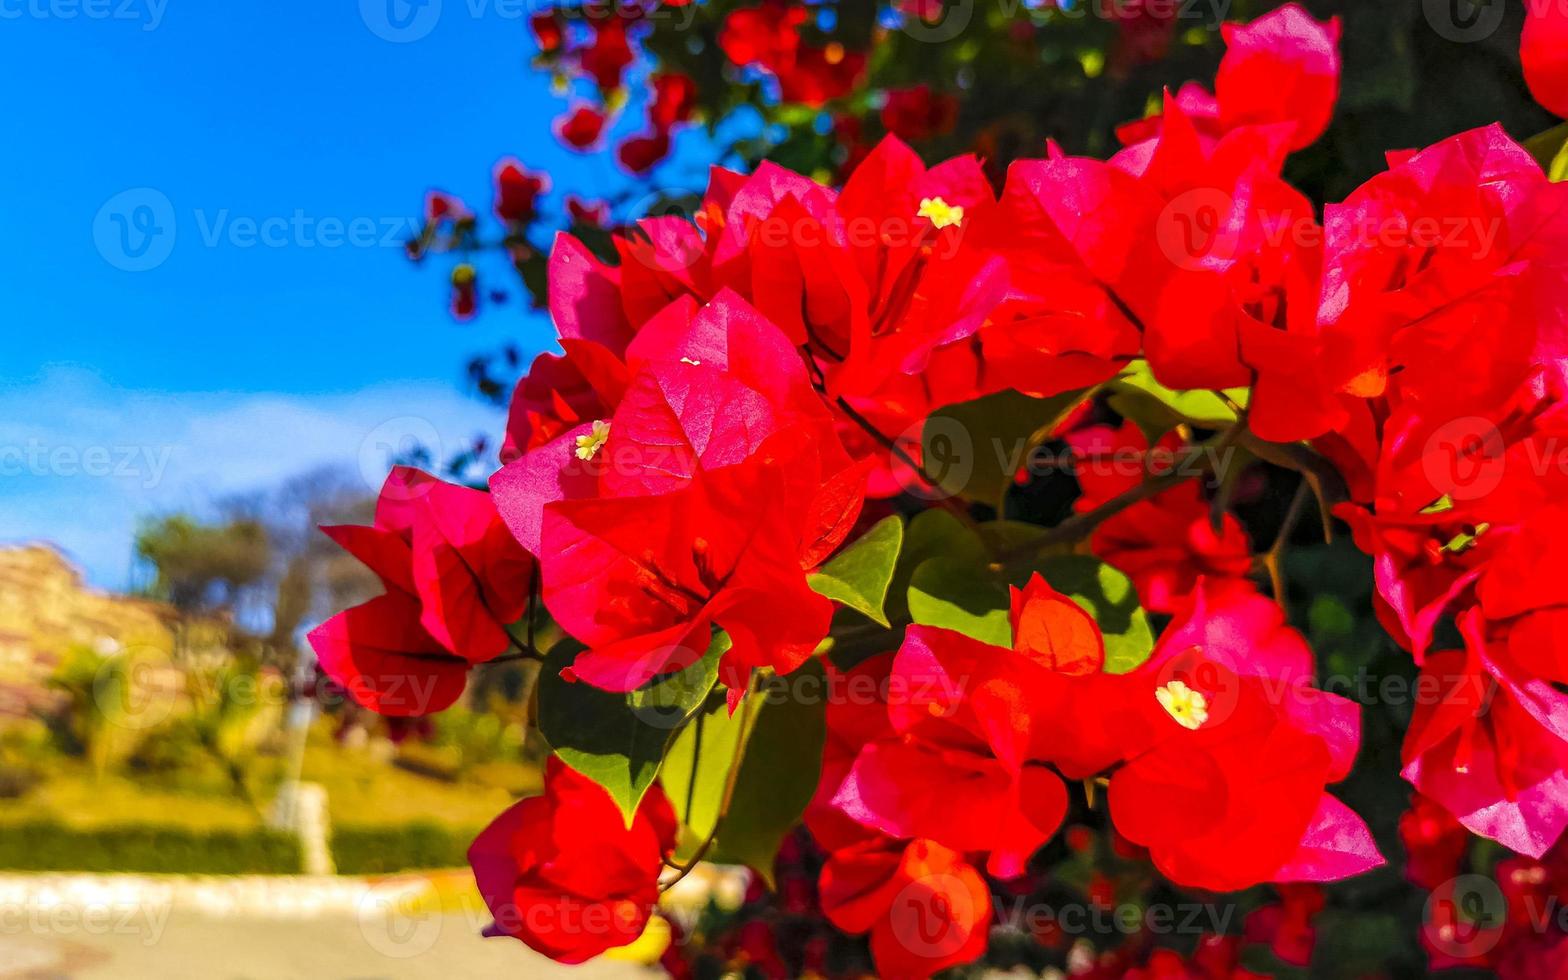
(158, 136)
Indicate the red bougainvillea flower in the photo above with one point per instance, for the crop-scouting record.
(1524, 598)
(953, 769)
(1435, 843)
(1544, 51)
(595, 214)
(547, 31)
(1449, 492)
(1491, 743)
(1230, 750)
(1279, 70)
(1287, 925)
(705, 498)
(606, 58)
(564, 873)
(674, 98)
(924, 905)
(769, 36)
(1067, 228)
(446, 545)
(455, 578)
(1225, 282)
(1055, 631)
(516, 190)
(1144, 33)
(380, 654)
(881, 293)
(580, 128)
(1166, 544)
(561, 392)
(639, 153)
(1453, 255)
(918, 113)
(1282, 67)
(441, 206)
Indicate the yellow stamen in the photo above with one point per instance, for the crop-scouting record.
(588, 445)
(1190, 708)
(940, 213)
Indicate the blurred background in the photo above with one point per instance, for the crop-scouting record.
(256, 254)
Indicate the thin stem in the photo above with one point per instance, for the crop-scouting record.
(886, 441)
(1273, 559)
(1080, 526)
(730, 782)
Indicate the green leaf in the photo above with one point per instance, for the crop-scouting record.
(1549, 148)
(619, 740)
(1158, 409)
(783, 735)
(974, 449)
(697, 769)
(972, 598)
(962, 596)
(859, 575)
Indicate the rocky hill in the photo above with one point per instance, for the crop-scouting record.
(46, 610)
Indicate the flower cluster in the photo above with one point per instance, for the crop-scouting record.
(740, 396)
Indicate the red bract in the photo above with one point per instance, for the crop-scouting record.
(1490, 743)
(1524, 599)
(581, 127)
(1281, 70)
(1282, 67)
(1055, 631)
(674, 98)
(547, 31)
(882, 283)
(1228, 752)
(1287, 926)
(704, 499)
(1454, 255)
(925, 907)
(954, 765)
(516, 190)
(918, 113)
(769, 36)
(593, 213)
(561, 392)
(1543, 50)
(1435, 843)
(1067, 230)
(565, 874)
(640, 153)
(455, 578)
(607, 56)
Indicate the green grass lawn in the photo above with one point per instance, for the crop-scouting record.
(359, 791)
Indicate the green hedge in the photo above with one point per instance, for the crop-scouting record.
(43, 846)
(368, 850)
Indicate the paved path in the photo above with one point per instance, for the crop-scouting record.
(129, 928)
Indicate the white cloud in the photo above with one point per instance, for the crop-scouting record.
(81, 461)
